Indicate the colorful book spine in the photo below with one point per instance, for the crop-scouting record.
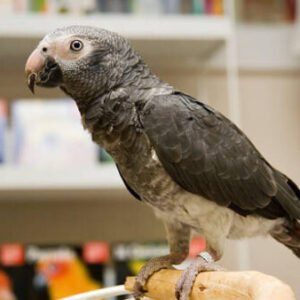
(38, 6)
(21, 5)
(217, 7)
(147, 7)
(116, 6)
(171, 6)
(51, 272)
(291, 10)
(208, 6)
(198, 6)
(3, 127)
(271, 11)
(214, 7)
(62, 6)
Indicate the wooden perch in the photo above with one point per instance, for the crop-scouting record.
(250, 285)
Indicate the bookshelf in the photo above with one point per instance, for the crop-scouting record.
(132, 26)
(165, 41)
(186, 37)
(72, 206)
(189, 37)
(296, 43)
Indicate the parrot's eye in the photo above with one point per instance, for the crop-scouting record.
(76, 45)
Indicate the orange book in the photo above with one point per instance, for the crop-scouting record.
(217, 7)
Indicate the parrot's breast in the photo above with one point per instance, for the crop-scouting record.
(171, 202)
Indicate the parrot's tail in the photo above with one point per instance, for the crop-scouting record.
(289, 236)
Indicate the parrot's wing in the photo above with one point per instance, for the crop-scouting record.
(206, 154)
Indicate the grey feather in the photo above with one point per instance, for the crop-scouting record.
(194, 167)
(216, 160)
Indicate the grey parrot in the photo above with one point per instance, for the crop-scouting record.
(189, 163)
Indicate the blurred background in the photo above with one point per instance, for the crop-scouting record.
(65, 216)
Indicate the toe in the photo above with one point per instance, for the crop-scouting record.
(185, 283)
(179, 285)
(139, 290)
(152, 266)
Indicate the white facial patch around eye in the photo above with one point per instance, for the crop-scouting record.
(64, 52)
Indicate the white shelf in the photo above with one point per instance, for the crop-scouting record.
(176, 40)
(132, 26)
(267, 47)
(160, 39)
(15, 178)
(264, 47)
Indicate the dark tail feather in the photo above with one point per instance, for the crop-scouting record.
(289, 236)
(288, 195)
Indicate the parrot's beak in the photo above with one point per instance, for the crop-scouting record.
(42, 70)
(34, 65)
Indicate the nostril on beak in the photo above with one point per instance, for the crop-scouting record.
(44, 77)
(50, 63)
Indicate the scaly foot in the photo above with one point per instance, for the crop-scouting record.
(152, 266)
(204, 262)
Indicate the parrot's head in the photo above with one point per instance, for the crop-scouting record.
(83, 61)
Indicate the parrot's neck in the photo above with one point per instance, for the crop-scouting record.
(109, 109)
(114, 123)
(135, 79)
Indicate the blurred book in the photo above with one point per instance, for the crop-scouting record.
(186, 7)
(50, 272)
(147, 7)
(217, 7)
(6, 292)
(21, 5)
(73, 7)
(171, 6)
(6, 6)
(208, 6)
(198, 6)
(291, 10)
(38, 5)
(3, 128)
(60, 6)
(49, 133)
(114, 6)
(55, 271)
(267, 11)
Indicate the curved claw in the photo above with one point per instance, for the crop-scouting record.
(139, 290)
(31, 82)
(152, 266)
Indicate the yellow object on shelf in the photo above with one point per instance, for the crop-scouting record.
(66, 277)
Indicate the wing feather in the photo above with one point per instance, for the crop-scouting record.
(206, 154)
